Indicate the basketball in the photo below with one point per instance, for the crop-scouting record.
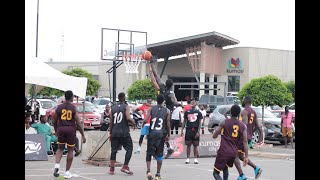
(147, 55)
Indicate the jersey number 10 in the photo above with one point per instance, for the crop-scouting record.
(117, 117)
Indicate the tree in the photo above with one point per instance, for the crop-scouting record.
(142, 89)
(291, 87)
(92, 85)
(266, 91)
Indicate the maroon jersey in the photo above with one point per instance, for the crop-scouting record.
(231, 137)
(65, 113)
(251, 118)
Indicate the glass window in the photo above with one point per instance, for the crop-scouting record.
(233, 83)
(80, 108)
(203, 99)
(47, 104)
(267, 113)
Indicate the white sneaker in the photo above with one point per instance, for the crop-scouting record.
(137, 151)
(196, 161)
(187, 161)
(67, 175)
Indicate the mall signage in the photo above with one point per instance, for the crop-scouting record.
(208, 147)
(235, 66)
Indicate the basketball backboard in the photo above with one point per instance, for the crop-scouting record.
(118, 42)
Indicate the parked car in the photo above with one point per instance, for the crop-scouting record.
(210, 102)
(272, 127)
(101, 103)
(44, 105)
(276, 110)
(86, 115)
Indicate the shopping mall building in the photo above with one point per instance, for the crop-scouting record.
(193, 60)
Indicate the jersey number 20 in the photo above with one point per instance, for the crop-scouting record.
(159, 127)
(66, 115)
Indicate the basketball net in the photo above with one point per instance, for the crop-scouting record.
(131, 62)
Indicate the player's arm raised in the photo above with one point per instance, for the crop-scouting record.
(129, 117)
(219, 129)
(153, 80)
(157, 77)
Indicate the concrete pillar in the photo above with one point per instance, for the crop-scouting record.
(202, 79)
(211, 79)
(94, 139)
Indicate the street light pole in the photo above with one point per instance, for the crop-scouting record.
(37, 28)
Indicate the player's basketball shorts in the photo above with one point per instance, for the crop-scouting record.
(190, 136)
(117, 142)
(155, 144)
(145, 129)
(286, 131)
(67, 135)
(223, 161)
(240, 146)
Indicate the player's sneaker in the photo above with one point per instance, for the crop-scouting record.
(137, 151)
(169, 152)
(243, 177)
(56, 170)
(67, 175)
(196, 161)
(149, 175)
(78, 152)
(111, 170)
(187, 161)
(157, 177)
(257, 172)
(126, 170)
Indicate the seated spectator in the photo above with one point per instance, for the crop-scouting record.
(28, 128)
(43, 128)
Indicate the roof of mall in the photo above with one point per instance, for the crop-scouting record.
(177, 47)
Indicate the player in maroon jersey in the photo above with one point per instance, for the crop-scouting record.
(249, 117)
(234, 132)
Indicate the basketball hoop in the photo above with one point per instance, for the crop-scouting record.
(131, 62)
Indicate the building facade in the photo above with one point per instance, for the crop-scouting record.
(235, 66)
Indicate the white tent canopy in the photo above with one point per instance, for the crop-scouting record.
(42, 75)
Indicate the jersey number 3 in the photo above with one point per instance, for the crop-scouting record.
(159, 123)
(235, 131)
(66, 115)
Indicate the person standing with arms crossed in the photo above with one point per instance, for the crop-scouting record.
(286, 126)
(159, 133)
(192, 119)
(167, 91)
(66, 122)
(249, 117)
(120, 133)
(232, 133)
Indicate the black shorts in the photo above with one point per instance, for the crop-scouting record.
(155, 144)
(67, 135)
(223, 161)
(117, 142)
(190, 137)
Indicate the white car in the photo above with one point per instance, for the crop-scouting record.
(101, 103)
(44, 105)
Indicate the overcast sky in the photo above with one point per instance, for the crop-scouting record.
(262, 23)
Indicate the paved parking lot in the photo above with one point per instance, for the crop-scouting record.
(277, 163)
